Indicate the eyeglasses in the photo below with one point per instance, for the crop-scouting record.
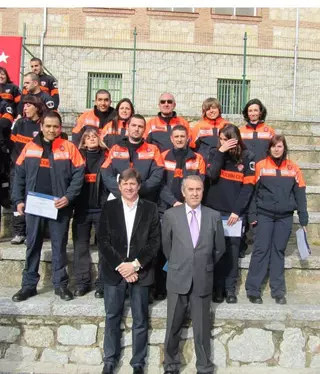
(166, 101)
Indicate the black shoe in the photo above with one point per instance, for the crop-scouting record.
(160, 296)
(281, 300)
(81, 291)
(242, 254)
(24, 294)
(99, 294)
(218, 296)
(107, 369)
(231, 298)
(255, 299)
(64, 293)
(138, 370)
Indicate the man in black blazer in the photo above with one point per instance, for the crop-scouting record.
(128, 240)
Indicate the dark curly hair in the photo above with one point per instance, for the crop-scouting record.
(263, 109)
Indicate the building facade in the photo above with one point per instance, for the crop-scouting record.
(193, 52)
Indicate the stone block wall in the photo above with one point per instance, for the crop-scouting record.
(80, 340)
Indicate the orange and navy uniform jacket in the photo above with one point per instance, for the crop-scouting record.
(146, 159)
(205, 135)
(10, 96)
(231, 183)
(280, 190)
(47, 100)
(93, 193)
(257, 138)
(158, 130)
(90, 119)
(49, 85)
(66, 169)
(193, 165)
(110, 136)
(23, 132)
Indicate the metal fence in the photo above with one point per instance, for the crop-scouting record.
(284, 73)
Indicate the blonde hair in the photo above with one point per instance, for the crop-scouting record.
(87, 132)
(208, 103)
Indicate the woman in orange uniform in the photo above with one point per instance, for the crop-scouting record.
(116, 129)
(280, 190)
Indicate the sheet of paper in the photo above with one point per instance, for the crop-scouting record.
(165, 268)
(303, 246)
(41, 205)
(235, 230)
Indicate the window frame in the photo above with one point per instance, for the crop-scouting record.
(116, 92)
(255, 11)
(173, 10)
(238, 105)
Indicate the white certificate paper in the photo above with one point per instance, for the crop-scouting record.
(41, 205)
(235, 230)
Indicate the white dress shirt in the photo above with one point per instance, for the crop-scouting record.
(198, 214)
(129, 217)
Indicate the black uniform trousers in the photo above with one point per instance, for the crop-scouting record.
(226, 271)
(114, 298)
(81, 229)
(59, 238)
(272, 236)
(18, 222)
(177, 306)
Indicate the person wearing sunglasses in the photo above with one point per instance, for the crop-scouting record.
(159, 128)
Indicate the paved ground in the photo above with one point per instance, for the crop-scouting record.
(78, 369)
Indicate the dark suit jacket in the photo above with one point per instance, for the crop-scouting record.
(187, 265)
(112, 240)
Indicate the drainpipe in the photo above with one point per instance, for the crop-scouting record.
(43, 34)
(295, 65)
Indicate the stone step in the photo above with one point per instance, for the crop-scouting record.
(294, 137)
(311, 173)
(313, 198)
(45, 329)
(12, 259)
(304, 153)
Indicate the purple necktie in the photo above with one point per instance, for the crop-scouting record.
(194, 228)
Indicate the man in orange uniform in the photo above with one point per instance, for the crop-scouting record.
(159, 128)
(96, 118)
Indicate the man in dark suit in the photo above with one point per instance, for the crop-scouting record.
(193, 241)
(129, 239)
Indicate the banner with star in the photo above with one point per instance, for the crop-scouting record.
(10, 56)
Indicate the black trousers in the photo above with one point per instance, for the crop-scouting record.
(177, 306)
(226, 271)
(18, 222)
(114, 298)
(81, 229)
(272, 236)
(59, 239)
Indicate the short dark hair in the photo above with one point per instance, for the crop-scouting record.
(52, 114)
(263, 110)
(34, 76)
(130, 174)
(139, 116)
(36, 59)
(37, 102)
(277, 138)
(180, 128)
(103, 91)
(5, 72)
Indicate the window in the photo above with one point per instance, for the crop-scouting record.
(250, 12)
(108, 81)
(187, 10)
(230, 95)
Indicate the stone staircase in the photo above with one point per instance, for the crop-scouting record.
(47, 335)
